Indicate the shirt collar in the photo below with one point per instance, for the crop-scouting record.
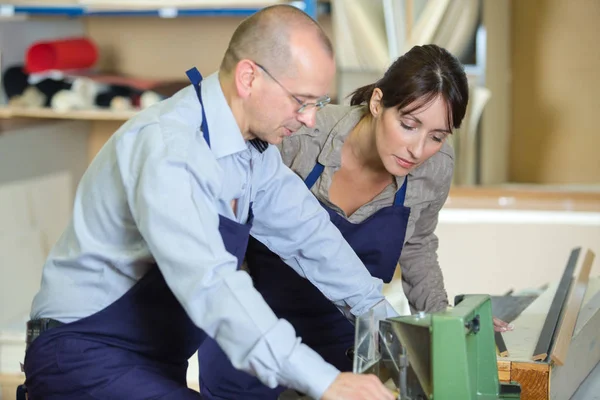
(331, 154)
(225, 135)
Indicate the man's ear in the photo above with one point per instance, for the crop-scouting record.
(244, 78)
(375, 105)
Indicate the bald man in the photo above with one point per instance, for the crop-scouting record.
(149, 264)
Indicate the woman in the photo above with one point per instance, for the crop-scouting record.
(382, 169)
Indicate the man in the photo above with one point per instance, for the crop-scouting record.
(149, 263)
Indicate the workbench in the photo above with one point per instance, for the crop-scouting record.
(541, 380)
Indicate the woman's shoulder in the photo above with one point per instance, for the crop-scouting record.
(332, 114)
(310, 140)
(328, 118)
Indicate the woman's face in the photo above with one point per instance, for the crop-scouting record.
(405, 141)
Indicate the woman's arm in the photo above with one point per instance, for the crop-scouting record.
(421, 273)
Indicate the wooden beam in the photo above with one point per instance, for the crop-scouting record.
(567, 326)
(504, 371)
(584, 350)
(548, 330)
(533, 378)
(561, 382)
(49, 113)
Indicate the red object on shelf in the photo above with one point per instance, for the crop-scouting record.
(64, 54)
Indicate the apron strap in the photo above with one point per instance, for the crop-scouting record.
(314, 175)
(401, 194)
(317, 170)
(195, 78)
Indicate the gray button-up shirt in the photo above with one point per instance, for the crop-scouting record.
(154, 194)
(428, 187)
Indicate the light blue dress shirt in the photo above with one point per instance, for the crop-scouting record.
(154, 193)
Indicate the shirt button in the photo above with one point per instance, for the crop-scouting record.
(243, 187)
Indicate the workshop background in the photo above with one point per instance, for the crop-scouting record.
(527, 181)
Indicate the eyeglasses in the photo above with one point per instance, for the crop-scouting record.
(304, 106)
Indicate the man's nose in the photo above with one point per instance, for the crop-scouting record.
(308, 117)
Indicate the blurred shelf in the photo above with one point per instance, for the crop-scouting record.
(235, 9)
(47, 113)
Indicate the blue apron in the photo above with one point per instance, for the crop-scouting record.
(136, 348)
(378, 241)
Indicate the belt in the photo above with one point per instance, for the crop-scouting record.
(36, 327)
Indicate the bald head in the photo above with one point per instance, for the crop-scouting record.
(271, 35)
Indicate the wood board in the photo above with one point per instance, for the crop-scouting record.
(551, 323)
(572, 308)
(545, 380)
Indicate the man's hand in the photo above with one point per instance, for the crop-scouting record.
(348, 386)
(501, 326)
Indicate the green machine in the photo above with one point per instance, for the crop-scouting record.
(449, 355)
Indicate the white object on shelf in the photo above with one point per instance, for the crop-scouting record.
(7, 10)
(168, 12)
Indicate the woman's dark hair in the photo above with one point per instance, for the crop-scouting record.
(421, 75)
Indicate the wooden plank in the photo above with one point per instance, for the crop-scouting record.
(533, 378)
(528, 326)
(590, 387)
(584, 351)
(500, 345)
(504, 371)
(567, 326)
(583, 355)
(48, 113)
(548, 331)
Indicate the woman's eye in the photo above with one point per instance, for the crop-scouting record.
(439, 137)
(408, 127)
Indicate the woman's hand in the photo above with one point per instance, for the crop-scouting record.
(501, 326)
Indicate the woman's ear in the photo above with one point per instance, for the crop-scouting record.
(375, 102)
